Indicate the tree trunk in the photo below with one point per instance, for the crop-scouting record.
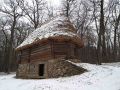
(101, 36)
(11, 49)
(115, 37)
(119, 44)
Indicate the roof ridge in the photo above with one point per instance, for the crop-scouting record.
(54, 28)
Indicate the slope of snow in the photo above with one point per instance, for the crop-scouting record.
(104, 77)
(113, 64)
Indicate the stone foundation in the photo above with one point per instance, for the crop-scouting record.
(52, 69)
(63, 68)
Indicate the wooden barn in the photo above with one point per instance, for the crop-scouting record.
(50, 51)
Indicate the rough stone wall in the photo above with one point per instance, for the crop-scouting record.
(27, 71)
(53, 69)
(22, 70)
(62, 68)
(33, 71)
(30, 71)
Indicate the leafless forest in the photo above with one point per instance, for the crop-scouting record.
(96, 21)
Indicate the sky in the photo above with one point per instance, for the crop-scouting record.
(1, 1)
(55, 3)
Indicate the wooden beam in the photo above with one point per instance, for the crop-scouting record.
(29, 55)
(52, 48)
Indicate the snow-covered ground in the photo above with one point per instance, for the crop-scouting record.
(104, 77)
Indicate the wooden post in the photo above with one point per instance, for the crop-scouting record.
(52, 48)
(29, 55)
(20, 56)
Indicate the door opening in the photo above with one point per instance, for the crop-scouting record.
(41, 69)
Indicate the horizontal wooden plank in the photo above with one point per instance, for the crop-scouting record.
(60, 56)
(60, 50)
(40, 52)
(24, 61)
(58, 43)
(41, 59)
(40, 55)
(44, 46)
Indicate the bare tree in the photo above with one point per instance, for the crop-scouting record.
(23, 29)
(4, 45)
(13, 13)
(68, 7)
(119, 44)
(101, 45)
(117, 21)
(50, 11)
(83, 19)
(33, 11)
(114, 20)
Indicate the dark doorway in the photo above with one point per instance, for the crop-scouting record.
(41, 69)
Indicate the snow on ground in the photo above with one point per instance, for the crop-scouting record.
(113, 64)
(104, 77)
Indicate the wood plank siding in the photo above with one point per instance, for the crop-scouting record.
(47, 51)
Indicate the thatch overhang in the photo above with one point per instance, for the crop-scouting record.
(59, 29)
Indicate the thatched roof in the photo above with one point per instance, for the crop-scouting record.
(60, 29)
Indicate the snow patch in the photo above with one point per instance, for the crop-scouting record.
(98, 77)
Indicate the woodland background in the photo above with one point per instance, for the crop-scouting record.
(96, 21)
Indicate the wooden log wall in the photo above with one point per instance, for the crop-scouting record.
(37, 52)
(24, 56)
(65, 50)
(47, 51)
(60, 49)
(41, 52)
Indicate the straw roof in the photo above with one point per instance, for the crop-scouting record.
(60, 29)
